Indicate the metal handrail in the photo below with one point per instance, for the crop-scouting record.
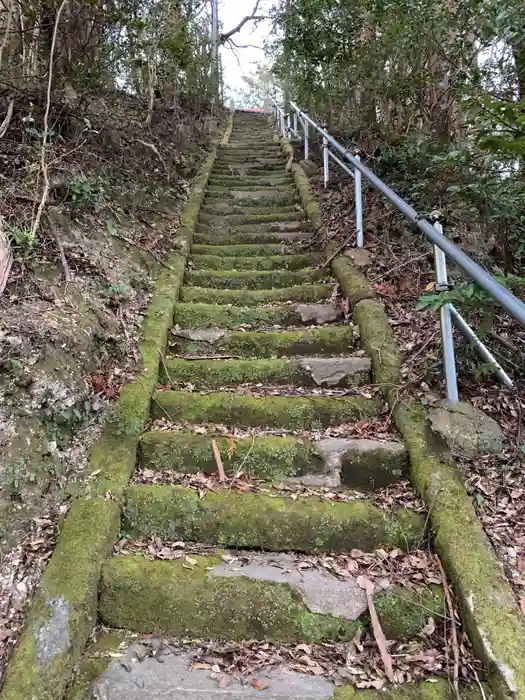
(433, 232)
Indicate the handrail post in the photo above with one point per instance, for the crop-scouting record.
(295, 122)
(288, 126)
(447, 338)
(306, 144)
(358, 206)
(326, 167)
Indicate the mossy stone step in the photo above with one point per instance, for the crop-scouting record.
(256, 297)
(246, 191)
(197, 316)
(237, 181)
(254, 279)
(218, 221)
(271, 523)
(220, 207)
(248, 251)
(361, 464)
(291, 413)
(201, 597)
(261, 228)
(221, 260)
(255, 237)
(215, 374)
(327, 341)
(242, 169)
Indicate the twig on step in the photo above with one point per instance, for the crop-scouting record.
(218, 461)
(453, 627)
(58, 241)
(209, 357)
(164, 367)
(379, 635)
(341, 247)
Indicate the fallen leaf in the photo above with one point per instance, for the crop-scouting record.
(259, 685)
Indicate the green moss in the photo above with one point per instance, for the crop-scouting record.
(330, 340)
(256, 181)
(247, 252)
(308, 200)
(220, 207)
(65, 607)
(258, 521)
(92, 665)
(198, 316)
(265, 457)
(403, 612)
(434, 689)
(183, 600)
(280, 227)
(251, 279)
(222, 260)
(354, 285)
(374, 468)
(215, 374)
(277, 190)
(220, 221)
(227, 135)
(293, 413)
(495, 625)
(241, 297)
(379, 343)
(249, 237)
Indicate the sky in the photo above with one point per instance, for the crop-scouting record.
(244, 60)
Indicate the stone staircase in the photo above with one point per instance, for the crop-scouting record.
(259, 345)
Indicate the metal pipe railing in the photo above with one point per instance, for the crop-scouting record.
(433, 232)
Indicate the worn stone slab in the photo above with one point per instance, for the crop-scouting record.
(466, 427)
(174, 679)
(331, 371)
(320, 592)
(319, 313)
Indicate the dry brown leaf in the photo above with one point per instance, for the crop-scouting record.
(218, 461)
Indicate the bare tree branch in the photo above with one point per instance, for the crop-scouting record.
(253, 17)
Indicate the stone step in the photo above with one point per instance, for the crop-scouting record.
(246, 237)
(340, 372)
(250, 195)
(279, 227)
(254, 279)
(221, 259)
(179, 677)
(251, 147)
(243, 411)
(236, 221)
(219, 207)
(257, 297)
(251, 161)
(248, 252)
(328, 341)
(273, 523)
(257, 181)
(269, 597)
(244, 169)
(354, 463)
(220, 316)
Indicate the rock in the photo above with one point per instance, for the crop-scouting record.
(359, 256)
(467, 428)
(202, 336)
(309, 167)
(319, 313)
(332, 370)
(320, 591)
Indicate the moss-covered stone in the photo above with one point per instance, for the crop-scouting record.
(93, 663)
(280, 227)
(377, 338)
(234, 220)
(225, 207)
(495, 625)
(432, 689)
(327, 341)
(198, 316)
(246, 252)
(265, 457)
(354, 285)
(250, 237)
(64, 609)
(374, 468)
(403, 612)
(182, 599)
(242, 297)
(277, 190)
(215, 374)
(222, 260)
(294, 413)
(257, 181)
(259, 521)
(252, 279)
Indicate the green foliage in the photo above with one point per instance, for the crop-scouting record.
(21, 237)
